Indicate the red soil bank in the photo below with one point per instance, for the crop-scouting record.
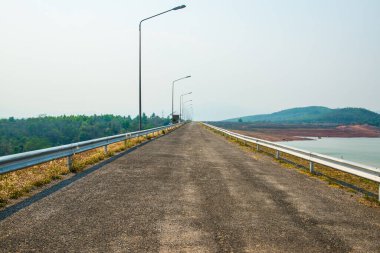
(290, 134)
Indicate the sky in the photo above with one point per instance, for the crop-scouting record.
(245, 57)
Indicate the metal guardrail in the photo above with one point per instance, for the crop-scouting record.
(23, 160)
(357, 169)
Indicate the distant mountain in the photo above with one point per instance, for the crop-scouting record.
(316, 114)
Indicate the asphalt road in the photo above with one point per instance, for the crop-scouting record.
(193, 191)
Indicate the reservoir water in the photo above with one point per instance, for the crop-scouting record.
(361, 150)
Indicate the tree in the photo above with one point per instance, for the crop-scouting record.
(20, 135)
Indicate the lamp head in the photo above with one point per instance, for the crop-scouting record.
(179, 7)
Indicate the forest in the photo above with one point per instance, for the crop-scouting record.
(21, 135)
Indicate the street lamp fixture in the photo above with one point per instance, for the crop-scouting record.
(174, 9)
(180, 103)
(178, 7)
(186, 112)
(173, 93)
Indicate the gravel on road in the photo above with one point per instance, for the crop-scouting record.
(193, 191)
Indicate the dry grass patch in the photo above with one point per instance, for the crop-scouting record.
(82, 160)
(327, 174)
(16, 184)
(19, 183)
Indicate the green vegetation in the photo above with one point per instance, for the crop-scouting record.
(16, 184)
(20, 135)
(316, 114)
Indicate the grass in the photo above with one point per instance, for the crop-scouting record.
(333, 177)
(16, 184)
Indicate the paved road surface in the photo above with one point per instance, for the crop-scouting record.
(193, 191)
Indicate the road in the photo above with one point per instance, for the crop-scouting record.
(193, 191)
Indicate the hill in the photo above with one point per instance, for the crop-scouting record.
(316, 114)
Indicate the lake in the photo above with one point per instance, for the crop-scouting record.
(360, 150)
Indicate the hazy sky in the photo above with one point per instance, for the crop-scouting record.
(245, 57)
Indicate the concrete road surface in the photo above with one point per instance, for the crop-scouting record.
(193, 191)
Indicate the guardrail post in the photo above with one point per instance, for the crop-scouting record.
(379, 193)
(277, 154)
(69, 162)
(257, 147)
(311, 166)
(106, 149)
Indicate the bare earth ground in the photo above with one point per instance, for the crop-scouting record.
(193, 191)
(284, 132)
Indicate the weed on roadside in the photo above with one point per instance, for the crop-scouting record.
(334, 178)
(16, 184)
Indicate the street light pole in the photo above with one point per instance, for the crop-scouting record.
(183, 106)
(174, 9)
(189, 111)
(173, 93)
(180, 103)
